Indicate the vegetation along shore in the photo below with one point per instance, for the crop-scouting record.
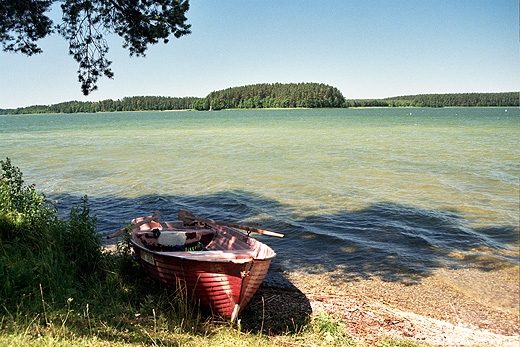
(61, 287)
(277, 95)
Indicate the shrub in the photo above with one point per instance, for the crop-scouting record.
(39, 253)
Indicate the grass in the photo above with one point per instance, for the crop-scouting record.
(58, 287)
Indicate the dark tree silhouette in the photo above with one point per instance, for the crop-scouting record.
(85, 23)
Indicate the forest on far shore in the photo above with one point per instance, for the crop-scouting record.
(277, 95)
(507, 99)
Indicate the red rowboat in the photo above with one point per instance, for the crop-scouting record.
(220, 266)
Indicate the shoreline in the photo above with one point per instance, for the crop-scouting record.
(464, 307)
(453, 307)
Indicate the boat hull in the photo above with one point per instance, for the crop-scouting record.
(224, 277)
(223, 286)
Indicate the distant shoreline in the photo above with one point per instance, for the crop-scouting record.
(3, 113)
(273, 97)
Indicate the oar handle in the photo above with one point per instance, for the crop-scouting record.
(188, 216)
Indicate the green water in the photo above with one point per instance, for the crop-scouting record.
(317, 175)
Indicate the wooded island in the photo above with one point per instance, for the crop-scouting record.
(276, 95)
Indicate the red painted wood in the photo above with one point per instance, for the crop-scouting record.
(228, 274)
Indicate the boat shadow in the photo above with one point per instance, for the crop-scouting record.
(277, 307)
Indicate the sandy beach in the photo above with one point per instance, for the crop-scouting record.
(451, 308)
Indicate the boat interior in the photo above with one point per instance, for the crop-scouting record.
(200, 242)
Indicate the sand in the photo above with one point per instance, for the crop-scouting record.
(465, 307)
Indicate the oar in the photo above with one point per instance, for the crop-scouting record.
(187, 217)
(155, 217)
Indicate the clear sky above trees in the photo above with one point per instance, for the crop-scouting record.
(367, 49)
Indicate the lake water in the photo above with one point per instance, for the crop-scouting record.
(387, 193)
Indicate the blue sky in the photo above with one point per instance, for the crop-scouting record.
(365, 48)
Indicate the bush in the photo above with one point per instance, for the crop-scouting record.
(40, 253)
(21, 207)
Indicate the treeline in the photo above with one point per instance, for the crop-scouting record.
(507, 99)
(134, 103)
(277, 95)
